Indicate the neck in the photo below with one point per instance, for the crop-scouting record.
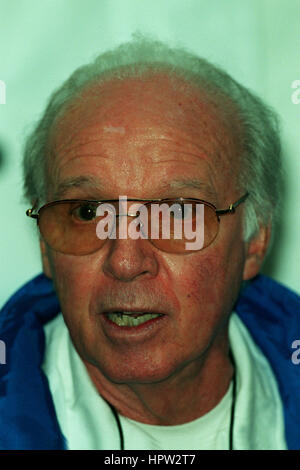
(185, 396)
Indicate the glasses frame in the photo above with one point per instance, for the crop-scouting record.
(219, 212)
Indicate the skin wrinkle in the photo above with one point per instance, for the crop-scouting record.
(183, 140)
(204, 124)
(208, 120)
(185, 361)
(57, 173)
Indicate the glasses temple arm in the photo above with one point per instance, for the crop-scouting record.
(29, 212)
(232, 207)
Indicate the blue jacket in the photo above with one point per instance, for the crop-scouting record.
(27, 415)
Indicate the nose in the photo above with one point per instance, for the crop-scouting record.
(128, 260)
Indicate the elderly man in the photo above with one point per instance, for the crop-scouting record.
(148, 351)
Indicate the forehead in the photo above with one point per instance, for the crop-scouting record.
(136, 122)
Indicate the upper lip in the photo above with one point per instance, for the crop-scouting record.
(132, 310)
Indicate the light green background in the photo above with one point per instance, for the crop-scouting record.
(43, 41)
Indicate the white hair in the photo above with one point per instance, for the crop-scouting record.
(261, 170)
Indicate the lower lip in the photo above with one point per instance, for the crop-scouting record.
(144, 329)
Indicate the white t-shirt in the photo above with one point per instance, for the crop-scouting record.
(87, 421)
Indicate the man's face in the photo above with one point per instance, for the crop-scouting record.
(144, 140)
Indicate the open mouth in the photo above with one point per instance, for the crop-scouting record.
(131, 318)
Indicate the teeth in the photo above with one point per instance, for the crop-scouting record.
(129, 319)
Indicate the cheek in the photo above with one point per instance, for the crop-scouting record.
(73, 279)
(209, 285)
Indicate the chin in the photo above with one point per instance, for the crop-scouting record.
(137, 373)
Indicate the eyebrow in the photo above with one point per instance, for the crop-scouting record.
(90, 182)
(85, 182)
(193, 184)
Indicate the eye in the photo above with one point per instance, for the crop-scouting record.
(85, 212)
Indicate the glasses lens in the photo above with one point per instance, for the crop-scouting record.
(182, 227)
(70, 227)
(78, 228)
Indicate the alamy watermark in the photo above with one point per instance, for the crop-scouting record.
(186, 224)
(2, 352)
(296, 354)
(2, 92)
(295, 97)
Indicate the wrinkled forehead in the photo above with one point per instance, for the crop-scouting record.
(123, 109)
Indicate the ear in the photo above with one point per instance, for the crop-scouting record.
(255, 252)
(45, 260)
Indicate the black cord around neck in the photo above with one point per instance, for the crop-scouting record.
(232, 413)
(121, 434)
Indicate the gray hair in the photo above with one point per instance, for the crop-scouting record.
(260, 172)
